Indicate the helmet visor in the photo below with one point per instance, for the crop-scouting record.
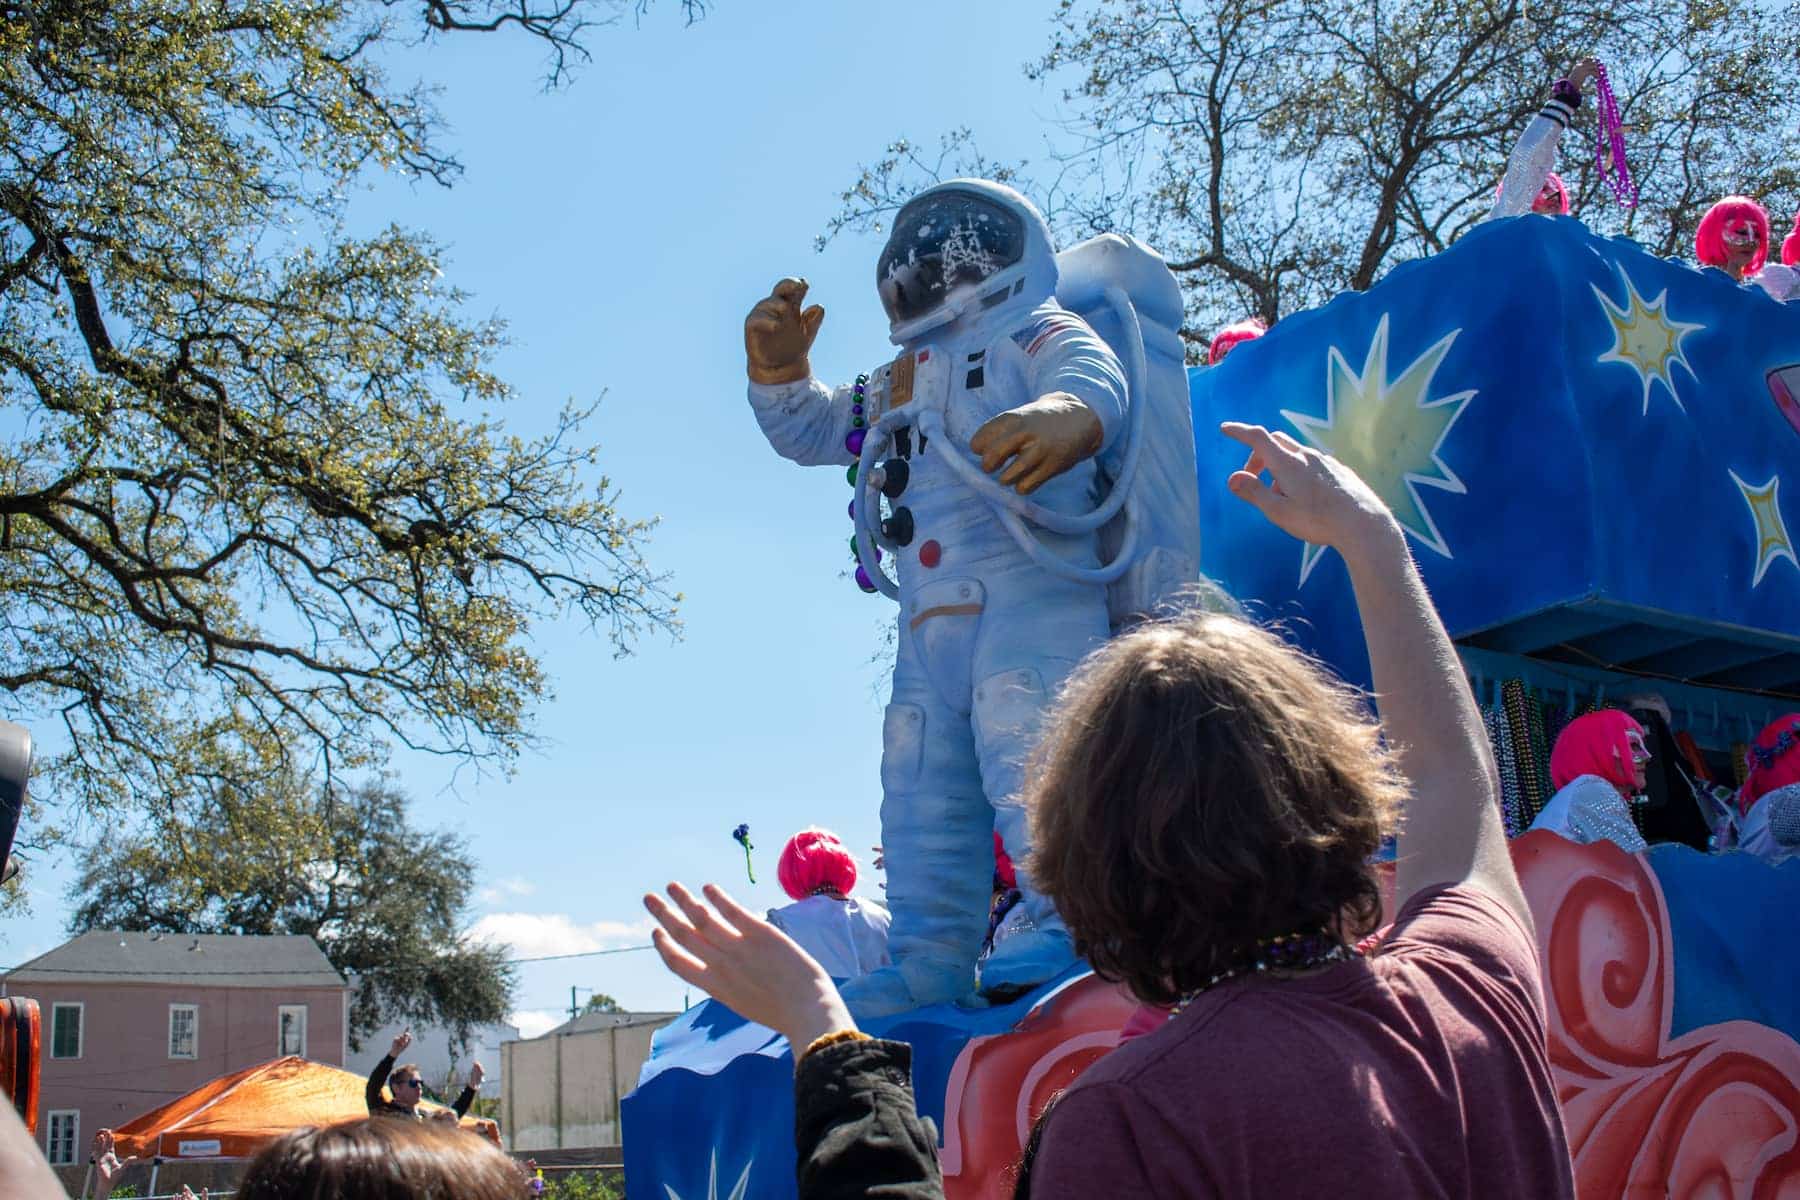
(941, 242)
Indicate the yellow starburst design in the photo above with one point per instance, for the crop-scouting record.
(1646, 339)
(1772, 540)
(1388, 433)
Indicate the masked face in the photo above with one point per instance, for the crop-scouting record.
(1740, 245)
(1640, 758)
(945, 243)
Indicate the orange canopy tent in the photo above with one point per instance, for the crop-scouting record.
(234, 1115)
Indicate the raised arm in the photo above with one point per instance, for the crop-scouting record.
(857, 1130)
(1452, 831)
(1534, 157)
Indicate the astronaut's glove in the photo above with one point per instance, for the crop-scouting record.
(778, 335)
(1043, 439)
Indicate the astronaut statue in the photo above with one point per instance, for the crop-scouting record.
(990, 362)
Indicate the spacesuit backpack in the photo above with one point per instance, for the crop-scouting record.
(1164, 492)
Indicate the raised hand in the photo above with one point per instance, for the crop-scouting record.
(1043, 439)
(401, 1041)
(1310, 495)
(476, 1075)
(778, 335)
(1583, 71)
(108, 1166)
(747, 964)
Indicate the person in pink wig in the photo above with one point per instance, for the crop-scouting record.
(1531, 183)
(1228, 338)
(1769, 801)
(1596, 767)
(847, 934)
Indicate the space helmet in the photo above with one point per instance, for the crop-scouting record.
(968, 245)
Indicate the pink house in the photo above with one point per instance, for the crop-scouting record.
(133, 1020)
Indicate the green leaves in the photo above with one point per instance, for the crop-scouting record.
(246, 524)
(1279, 152)
(385, 902)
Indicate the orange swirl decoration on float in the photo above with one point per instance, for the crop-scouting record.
(1000, 1084)
(1714, 1112)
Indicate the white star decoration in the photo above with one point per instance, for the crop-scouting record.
(1772, 540)
(1645, 339)
(712, 1181)
(1388, 433)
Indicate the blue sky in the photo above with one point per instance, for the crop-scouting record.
(622, 226)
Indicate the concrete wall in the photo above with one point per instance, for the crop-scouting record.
(563, 1089)
(125, 1070)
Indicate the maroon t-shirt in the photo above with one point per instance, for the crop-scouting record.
(1420, 1071)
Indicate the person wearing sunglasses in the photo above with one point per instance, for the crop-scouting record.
(1597, 766)
(407, 1086)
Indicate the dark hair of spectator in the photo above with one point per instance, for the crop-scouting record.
(380, 1158)
(1201, 786)
(1028, 1156)
(406, 1069)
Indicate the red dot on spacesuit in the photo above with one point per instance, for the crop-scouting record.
(930, 554)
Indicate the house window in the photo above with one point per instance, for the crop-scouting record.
(184, 1031)
(290, 1023)
(65, 1030)
(61, 1134)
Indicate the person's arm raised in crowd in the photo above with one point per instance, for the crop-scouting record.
(470, 1090)
(379, 1076)
(1452, 831)
(857, 1130)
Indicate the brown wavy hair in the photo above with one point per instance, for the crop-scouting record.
(1201, 785)
(382, 1158)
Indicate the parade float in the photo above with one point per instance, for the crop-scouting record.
(1586, 445)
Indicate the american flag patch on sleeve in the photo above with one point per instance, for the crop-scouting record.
(1031, 339)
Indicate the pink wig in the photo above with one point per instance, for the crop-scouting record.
(1773, 760)
(1562, 191)
(1247, 330)
(1595, 744)
(1003, 867)
(1790, 245)
(1709, 239)
(813, 861)
(1553, 181)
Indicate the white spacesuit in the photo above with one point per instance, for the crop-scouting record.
(986, 634)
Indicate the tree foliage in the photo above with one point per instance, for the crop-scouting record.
(1279, 152)
(600, 1002)
(386, 902)
(252, 502)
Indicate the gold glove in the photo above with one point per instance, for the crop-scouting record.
(778, 335)
(1043, 439)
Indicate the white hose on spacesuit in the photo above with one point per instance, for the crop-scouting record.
(1008, 504)
(880, 436)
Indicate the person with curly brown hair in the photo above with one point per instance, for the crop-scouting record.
(1205, 803)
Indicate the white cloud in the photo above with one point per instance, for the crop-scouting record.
(506, 889)
(537, 935)
(534, 1022)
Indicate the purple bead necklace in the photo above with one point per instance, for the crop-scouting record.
(1288, 952)
(1609, 152)
(853, 443)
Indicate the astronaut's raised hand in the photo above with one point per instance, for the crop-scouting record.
(1036, 442)
(778, 335)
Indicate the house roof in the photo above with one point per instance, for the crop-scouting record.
(207, 959)
(591, 1022)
